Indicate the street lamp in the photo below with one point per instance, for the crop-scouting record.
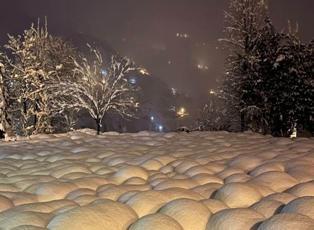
(212, 92)
(144, 71)
(182, 112)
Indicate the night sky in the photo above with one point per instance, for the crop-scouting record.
(176, 40)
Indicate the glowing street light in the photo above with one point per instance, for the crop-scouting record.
(143, 71)
(152, 118)
(182, 112)
(202, 67)
(212, 92)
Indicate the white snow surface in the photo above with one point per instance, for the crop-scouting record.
(142, 181)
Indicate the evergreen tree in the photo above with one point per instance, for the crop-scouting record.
(244, 19)
(269, 74)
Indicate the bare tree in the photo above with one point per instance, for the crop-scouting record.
(99, 90)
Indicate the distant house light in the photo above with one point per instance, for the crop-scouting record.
(212, 92)
(104, 72)
(132, 81)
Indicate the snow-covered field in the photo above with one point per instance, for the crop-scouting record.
(153, 181)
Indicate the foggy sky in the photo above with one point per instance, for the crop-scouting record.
(146, 31)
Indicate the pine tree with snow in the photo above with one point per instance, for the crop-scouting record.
(244, 19)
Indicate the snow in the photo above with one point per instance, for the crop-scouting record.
(197, 180)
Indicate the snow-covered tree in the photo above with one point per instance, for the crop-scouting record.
(99, 89)
(286, 67)
(37, 61)
(270, 77)
(244, 19)
(5, 115)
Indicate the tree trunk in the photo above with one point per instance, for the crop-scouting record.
(24, 106)
(36, 111)
(97, 120)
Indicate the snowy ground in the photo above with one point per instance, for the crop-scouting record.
(148, 181)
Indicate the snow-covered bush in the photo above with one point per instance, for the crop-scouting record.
(217, 115)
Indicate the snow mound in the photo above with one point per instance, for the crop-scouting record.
(59, 172)
(303, 189)
(229, 172)
(80, 192)
(177, 193)
(199, 169)
(128, 172)
(268, 167)
(85, 199)
(156, 221)
(45, 207)
(111, 192)
(14, 219)
(103, 214)
(5, 203)
(207, 190)
(277, 181)
(235, 219)
(303, 205)
(152, 164)
(238, 195)
(246, 163)
(206, 178)
(238, 177)
(287, 221)
(268, 207)
(176, 183)
(214, 205)
(49, 191)
(191, 214)
(147, 202)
